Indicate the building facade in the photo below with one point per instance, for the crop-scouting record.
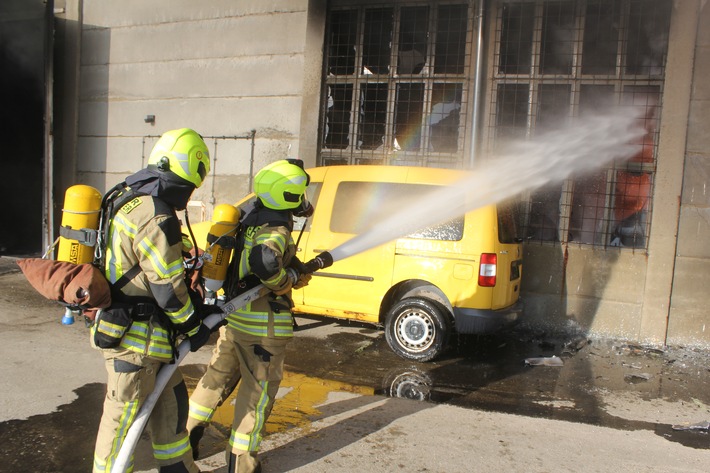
(620, 253)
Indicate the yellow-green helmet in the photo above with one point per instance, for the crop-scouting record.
(281, 185)
(184, 153)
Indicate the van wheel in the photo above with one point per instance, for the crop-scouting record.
(416, 329)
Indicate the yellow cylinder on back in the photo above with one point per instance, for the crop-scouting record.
(216, 258)
(82, 205)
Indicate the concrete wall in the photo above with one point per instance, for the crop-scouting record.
(581, 290)
(222, 67)
(689, 315)
(229, 67)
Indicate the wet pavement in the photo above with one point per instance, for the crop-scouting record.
(598, 383)
(333, 367)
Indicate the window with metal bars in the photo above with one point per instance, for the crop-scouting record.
(396, 84)
(555, 60)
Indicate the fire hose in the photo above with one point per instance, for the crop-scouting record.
(323, 260)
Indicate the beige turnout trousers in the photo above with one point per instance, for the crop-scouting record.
(258, 363)
(131, 378)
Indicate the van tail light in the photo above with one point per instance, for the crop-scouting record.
(488, 270)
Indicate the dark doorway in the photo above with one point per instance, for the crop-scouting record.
(24, 62)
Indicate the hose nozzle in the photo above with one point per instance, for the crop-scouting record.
(322, 261)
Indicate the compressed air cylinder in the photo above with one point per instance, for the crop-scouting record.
(225, 220)
(80, 220)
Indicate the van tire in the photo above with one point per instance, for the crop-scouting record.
(417, 329)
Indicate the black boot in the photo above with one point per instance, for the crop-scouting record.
(195, 437)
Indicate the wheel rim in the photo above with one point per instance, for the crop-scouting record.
(415, 330)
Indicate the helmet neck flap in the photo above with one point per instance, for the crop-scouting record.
(171, 189)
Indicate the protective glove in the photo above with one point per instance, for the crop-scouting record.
(285, 286)
(199, 338)
(303, 280)
(219, 324)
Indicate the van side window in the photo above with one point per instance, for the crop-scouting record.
(359, 206)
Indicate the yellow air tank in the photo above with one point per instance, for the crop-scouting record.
(225, 220)
(80, 221)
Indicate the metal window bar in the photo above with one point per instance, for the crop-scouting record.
(375, 129)
(616, 33)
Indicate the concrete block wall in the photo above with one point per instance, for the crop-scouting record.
(689, 321)
(657, 296)
(221, 67)
(584, 291)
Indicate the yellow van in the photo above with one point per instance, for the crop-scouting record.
(463, 275)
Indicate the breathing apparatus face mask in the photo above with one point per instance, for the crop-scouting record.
(305, 209)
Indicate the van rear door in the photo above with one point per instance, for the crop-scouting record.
(509, 252)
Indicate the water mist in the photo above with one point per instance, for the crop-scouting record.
(587, 144)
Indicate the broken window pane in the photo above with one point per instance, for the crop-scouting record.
(373, 115)
(391, 58)
(632, 186)
(343, 32)
(589, 199)
(646, 99)
(620, 40)
(595, 98)
(413, 33)
(516, 38)
(553, 106)
(508, 222)
(337, 116)
(558, 35)
(589, 203)
(444, 117)
(377, 43)
(450, 53)
(544, 213)
(648, 37)
(512, 111)
(408, 117)
(601, 37)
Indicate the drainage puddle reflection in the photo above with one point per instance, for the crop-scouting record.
(624, 387)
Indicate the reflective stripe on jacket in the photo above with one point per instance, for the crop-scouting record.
(268, 316)
(146, 232)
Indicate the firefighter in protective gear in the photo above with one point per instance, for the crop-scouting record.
(252, 344)
(144, 264)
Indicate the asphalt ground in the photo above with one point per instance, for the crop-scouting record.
(335, 412)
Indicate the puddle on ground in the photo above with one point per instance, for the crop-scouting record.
(592, 386)
(490, 373)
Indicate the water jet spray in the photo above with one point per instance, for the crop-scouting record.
(524, 165)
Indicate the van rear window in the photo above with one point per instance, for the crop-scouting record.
(360, 206)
